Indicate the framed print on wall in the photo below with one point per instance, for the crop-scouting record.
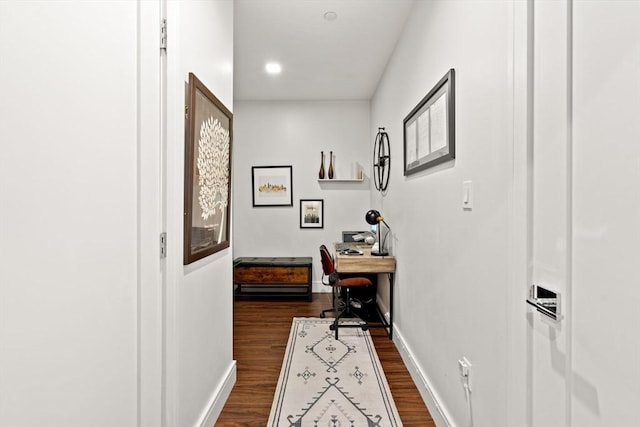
(207, 183)
(429, 129)
(311, 213)
(272, 185)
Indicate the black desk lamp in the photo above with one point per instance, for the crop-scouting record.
(373, 217)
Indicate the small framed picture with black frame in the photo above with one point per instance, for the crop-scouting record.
(311, 213)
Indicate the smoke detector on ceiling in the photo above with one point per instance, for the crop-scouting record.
(330, 16)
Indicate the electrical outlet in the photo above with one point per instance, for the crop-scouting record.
(463, 365)
(465, 372)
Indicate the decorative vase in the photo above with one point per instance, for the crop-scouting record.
(330, 164)
(321, 173)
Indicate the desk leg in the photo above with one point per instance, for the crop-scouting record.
(391, 306)
(385, 323)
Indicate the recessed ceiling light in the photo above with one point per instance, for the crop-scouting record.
(273, 68)
(330, 16)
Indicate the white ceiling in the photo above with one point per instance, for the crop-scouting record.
(341, 59)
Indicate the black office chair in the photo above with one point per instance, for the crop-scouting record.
(338, 285)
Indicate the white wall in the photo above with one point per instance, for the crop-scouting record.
(83, 289)
(294, 133)
(68, 221)
(200, 366)
(452, 271)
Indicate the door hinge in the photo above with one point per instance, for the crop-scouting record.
(163, 34)
(163, 244)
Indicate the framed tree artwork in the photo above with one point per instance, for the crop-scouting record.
(207, 182)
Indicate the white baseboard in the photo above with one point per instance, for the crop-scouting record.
(436, 409)
(219, 398)
(320, 288)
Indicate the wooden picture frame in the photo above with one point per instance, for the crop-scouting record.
(272, 185)
(207, 183)
(429, 129)
(311, 213)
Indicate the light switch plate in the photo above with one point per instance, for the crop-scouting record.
(467, 195)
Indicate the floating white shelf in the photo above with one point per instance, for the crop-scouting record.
(342, 180)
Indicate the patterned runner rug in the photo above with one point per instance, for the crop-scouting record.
(329, 382)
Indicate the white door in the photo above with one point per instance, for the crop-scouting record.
(605, 377)
(584, 369)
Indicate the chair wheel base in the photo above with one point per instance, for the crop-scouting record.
(332, 327)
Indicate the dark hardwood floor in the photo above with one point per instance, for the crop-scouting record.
(261, 331)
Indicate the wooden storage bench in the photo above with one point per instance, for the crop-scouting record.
(280, 276)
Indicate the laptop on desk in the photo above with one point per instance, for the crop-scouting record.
(349, 244)
(347, 236)
(341, 247)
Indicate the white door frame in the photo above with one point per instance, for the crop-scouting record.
(151, 216)
(520, 232)
(522, 378)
